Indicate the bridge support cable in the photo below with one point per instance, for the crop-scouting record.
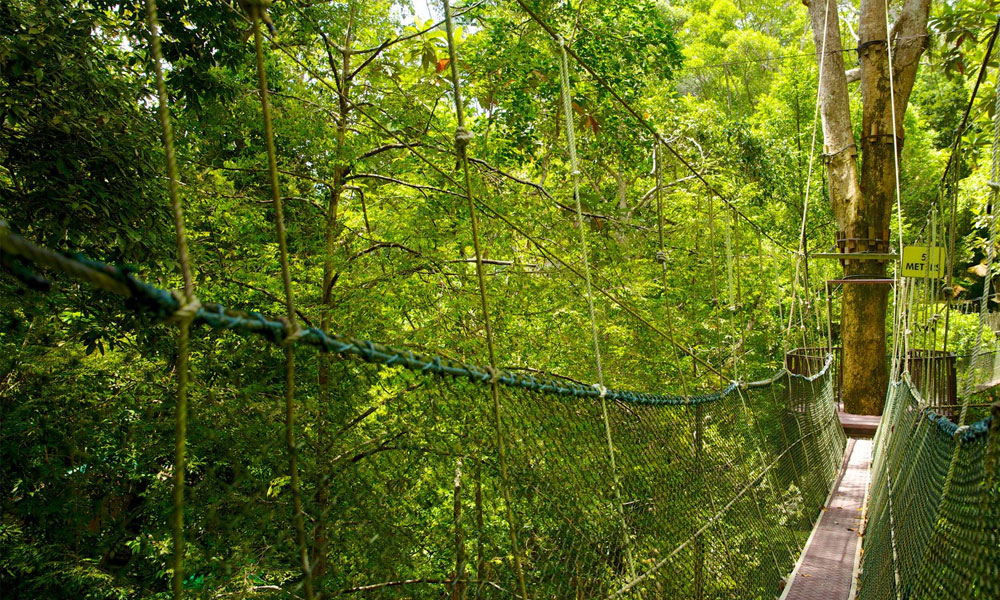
(566, 91)
(462, 138)
(257, 12)
(185, 316)
(956, 159)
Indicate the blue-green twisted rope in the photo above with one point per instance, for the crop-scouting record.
(163, 305)
(968, 433)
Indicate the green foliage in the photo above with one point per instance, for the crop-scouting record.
(358, 88)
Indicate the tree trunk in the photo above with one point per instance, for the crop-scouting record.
(862, 202)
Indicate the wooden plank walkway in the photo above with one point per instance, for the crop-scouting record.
(826, 569)
(859, 426)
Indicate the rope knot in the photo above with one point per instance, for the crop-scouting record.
(255, 8)
(462, 138)
(293, 333)
(187, 310)
(493, 372)
(661, 256)
(602, 391)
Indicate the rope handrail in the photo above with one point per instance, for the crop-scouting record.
(944, 423)
(163, 304)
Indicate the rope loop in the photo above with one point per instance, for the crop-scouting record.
(602, 391)
(661, 256)
(462, 138)
(187, 308)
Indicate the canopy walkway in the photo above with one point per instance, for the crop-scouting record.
(734, 493)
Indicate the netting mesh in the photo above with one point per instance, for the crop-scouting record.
(934, 510)
(421, 477)
(404, 489)
(979, 373)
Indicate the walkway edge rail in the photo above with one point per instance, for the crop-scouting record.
(166, 305)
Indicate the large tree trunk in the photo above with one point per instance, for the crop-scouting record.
(862, 201)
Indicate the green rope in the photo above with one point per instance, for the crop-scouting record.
(662, 257)
(191, 305)
(163, 305)
(462, 138)
(257, 10)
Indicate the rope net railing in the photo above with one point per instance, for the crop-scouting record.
(933, 520)
(722, 488)
(934, 508)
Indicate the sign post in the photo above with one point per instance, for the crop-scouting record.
(923, 261)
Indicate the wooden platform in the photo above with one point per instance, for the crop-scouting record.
(859, 426)
(826, 569)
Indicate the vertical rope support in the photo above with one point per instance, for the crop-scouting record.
(190, 306)
(657, 157)
(716, 305)
(584, 254)
(698, 442)
(803, 251)
(731, 294)
(895, 153)
(930, 309)
(257, 8)
(991, 207)
(958, 439)
(462, 139)
(952, 191)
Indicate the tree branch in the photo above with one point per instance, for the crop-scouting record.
(835, 108)
(388, 147)
(269, 295)
(909, 40)
(415, 186)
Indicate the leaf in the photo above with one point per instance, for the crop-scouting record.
(276, 484)
(443, 64)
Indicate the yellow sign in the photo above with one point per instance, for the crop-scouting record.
(915, 261)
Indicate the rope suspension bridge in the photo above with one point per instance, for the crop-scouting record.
(701, 494)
